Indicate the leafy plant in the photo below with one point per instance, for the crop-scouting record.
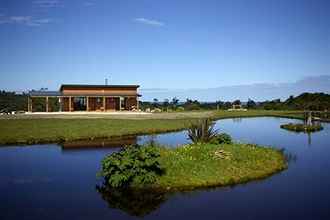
(202, 132)
(222, 138)
(133, 166)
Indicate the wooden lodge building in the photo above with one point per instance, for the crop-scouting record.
(89, 98)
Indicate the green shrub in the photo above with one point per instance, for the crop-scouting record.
(180, 109)
(133, 166)
(222, 138)
(202, 132)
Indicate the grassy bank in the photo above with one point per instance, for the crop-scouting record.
(31, 129)
(257, 113)
(198, 166)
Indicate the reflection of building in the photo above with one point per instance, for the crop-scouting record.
(100, 143)
(90, 98)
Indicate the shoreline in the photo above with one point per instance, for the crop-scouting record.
(101, 128)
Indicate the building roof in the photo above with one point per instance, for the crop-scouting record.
(45, 93)
(96, 86)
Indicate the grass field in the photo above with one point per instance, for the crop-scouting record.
(31, 129)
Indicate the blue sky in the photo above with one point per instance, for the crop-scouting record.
(162, 43)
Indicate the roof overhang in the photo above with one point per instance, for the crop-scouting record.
(81, 86)
(45, 93)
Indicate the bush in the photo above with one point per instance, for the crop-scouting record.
(222, 138)
(180, 109)
(133, 166)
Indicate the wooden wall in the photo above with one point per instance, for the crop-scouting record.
(130, 102)
(96, 103)
(101, 91)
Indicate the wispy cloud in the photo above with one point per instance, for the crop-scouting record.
(24, 20)
(149, 22)
(47, 3)
(88, 4)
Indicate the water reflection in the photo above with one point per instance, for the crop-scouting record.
(99, 143)
(237, 120)
(309, 139)
(290, 157)
(135, 202)
(308, 135)
(152, 140)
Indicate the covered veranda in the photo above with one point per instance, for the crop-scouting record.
(53, 101)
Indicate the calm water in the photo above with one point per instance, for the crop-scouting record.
(59, 182)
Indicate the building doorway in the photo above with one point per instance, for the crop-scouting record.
(79, 104)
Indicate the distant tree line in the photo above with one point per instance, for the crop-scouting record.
(305, 101)
(12, 101)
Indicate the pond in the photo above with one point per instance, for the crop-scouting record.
(59, 182)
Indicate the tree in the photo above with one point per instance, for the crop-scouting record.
(175, 102)
(251, 104)
(166, 103)
(227, 105)
(237, 102)
(192, 105)
(155, 104)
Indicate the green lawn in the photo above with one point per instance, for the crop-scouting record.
(32, 131)
(27, 129)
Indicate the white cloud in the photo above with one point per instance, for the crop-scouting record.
(88, 4)
(149, 22)
(24, 20)
(47, 3)
(31, 20)
(20, 19)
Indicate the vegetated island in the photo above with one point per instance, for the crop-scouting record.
(302, 127)
(211, 160)
(197, 166)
